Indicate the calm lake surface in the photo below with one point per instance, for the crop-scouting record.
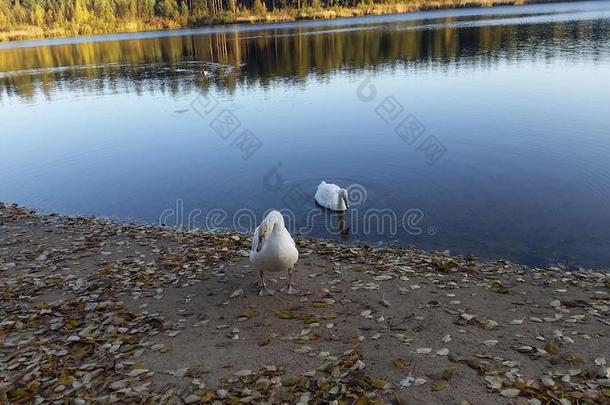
(480, 131)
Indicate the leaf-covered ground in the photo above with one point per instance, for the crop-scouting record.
(93, 311)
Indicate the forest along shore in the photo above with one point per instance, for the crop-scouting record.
(96, 310)
(36, 19)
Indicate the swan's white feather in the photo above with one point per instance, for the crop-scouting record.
(328, 196)
(278, 251)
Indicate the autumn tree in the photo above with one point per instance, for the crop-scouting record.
(259, 7)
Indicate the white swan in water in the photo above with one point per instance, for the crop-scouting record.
(273, 250)
(332, 196)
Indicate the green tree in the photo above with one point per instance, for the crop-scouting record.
(199, 9)
(167, 8)
(123, 9)
(184, 14)
(103, 9)
(147, 8)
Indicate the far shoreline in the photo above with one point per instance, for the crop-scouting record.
(24, 35)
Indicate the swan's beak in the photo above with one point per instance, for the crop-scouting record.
(346, 203)
(259, 246)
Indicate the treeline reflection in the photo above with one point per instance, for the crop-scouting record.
(174, 64)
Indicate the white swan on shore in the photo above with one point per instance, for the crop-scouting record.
(332, 197)
(273, 250)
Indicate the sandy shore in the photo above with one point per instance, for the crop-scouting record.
(98, 312)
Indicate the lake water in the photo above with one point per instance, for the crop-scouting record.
(482, 131)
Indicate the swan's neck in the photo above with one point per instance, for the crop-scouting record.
(277, 228)
(340, 203)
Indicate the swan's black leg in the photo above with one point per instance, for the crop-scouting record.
(289, 289)
(264, 292)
